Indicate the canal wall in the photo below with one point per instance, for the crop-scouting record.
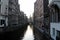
(16, 34)
(39, 34)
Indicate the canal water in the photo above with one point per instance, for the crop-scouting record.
(28, 35)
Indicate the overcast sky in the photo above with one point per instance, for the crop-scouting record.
(27, 6)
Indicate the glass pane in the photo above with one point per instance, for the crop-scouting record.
(2, 22)
(58, 33)
(53, 31)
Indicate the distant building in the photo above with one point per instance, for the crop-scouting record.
(22, 18)
(30, 20)
(54, 6)
(41, 16)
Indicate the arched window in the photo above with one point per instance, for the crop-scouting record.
(55, 14)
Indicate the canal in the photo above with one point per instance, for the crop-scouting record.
(24, 33)
(28, 35)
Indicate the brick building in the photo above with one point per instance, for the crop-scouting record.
(41, 18)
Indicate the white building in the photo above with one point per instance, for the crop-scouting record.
(55, 19)
(3, 13)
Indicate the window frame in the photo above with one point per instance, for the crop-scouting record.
(53, 31)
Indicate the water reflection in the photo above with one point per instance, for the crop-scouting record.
(28, 34)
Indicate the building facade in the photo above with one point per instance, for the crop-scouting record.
(41, 18)
(9, 11)
(3, 13)
(13, 9)
(54, 6)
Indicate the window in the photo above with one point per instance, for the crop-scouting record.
(2, 22)
(54, 16)
(58, 17)
(53, 31)
(58, 33)
(10, 2)
(10, 9)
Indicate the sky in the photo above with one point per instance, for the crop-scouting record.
(27, 6)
